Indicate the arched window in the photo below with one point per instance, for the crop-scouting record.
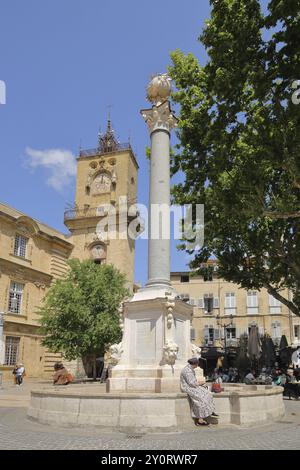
(98, 253)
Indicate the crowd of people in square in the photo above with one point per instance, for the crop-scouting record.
(267, 375)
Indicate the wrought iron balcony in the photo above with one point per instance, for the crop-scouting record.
(71, 214)
(100, 211)
(104, 149)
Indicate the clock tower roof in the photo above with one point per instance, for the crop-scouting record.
(108, 142)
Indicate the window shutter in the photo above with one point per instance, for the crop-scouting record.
(278, 330)
(237, 332)
(273, 330)
(216, 334)
(244, 331)
(261, 330)
(252, 299)
(216, 302)
(201, 303)
(206, 333)
(273, 302)
(230, 300)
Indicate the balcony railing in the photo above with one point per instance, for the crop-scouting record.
(100, 211)
(71, 214)
(119, 147)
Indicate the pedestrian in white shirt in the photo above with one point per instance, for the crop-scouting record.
(20, 372)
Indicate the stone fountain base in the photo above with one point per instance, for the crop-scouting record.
(81, 405)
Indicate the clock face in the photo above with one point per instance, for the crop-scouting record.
(102, 184)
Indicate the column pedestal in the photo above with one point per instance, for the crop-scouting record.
(156, 344)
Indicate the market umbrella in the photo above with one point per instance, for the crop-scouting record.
(254, 344)
(283, 342)
(242, 362)
(284, 352)
(268, 353)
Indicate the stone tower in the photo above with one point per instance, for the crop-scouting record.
(106, 185)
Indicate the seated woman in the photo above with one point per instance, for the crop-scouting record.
(61, 376)
(200, 399)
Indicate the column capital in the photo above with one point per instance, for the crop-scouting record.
(160, 117)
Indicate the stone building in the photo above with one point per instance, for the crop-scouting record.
(33, 255)
(106, 181)
(223, 311)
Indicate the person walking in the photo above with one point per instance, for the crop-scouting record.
(200, 399)
(20, 373)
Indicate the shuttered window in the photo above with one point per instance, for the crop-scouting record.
(274, 304)
(11, 350)
(230, 303)
(276, 331)
(252, 302)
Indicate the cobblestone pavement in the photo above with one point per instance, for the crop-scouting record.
(17, 432)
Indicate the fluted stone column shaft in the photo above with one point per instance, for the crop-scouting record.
(160, 120)
(159, 210)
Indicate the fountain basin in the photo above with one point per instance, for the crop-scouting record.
(81, 405)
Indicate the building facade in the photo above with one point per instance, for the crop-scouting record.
(223, 311)
(33, 255)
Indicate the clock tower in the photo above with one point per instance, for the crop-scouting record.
(106, 184)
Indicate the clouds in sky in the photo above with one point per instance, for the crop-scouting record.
(61, 165)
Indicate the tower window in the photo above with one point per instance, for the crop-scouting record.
(98, 253)
(15, 297)
(20, 246)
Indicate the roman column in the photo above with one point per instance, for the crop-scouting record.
(160, 120)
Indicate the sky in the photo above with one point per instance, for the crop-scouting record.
(64, 63)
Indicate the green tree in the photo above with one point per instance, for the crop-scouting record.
(79, 314)
(239, 134)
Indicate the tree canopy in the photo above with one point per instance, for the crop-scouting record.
(239, 150)
(79, 314)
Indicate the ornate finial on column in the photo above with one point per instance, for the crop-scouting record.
(159, 89)
(161, 115)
